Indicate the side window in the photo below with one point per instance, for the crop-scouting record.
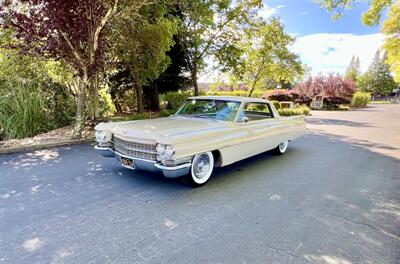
(257, 111)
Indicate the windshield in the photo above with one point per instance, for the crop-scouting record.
(210, 109)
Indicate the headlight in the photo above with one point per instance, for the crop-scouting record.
(166, 151)
(169, 151)
(101, 136)
(160, 149)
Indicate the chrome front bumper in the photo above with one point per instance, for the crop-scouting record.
(148, 165)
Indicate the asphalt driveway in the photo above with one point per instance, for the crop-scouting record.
(334, 197)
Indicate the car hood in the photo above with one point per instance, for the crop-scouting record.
(166, 130)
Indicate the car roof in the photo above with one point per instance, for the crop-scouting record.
(231, 98)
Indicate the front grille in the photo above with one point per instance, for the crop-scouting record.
(135, 149)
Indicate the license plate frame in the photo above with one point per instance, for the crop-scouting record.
(128, 163)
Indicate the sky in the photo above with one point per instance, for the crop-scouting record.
(325, 45)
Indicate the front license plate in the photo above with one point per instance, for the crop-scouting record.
(129, 163)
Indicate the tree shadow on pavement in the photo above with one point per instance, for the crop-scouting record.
(336, 122)
(326, 201)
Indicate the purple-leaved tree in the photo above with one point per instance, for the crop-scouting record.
(70, 31)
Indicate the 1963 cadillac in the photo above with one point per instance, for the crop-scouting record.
(206, 132)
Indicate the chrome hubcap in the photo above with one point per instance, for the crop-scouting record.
(201, 166)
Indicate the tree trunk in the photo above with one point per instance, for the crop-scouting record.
(116, 102)
(94, 98)
(82, 83)
(194, 79)
(153, 97)
(251, 90)
(139, 97)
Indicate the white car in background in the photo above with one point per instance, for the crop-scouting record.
(206, 132)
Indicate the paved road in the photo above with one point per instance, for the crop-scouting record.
(328, 200)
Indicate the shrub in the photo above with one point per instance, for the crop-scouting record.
(106, 105)
(360, 99)
(23, 113)
(301, 110)
(164, 113)
(282, 95)
(60, 103)
(173, 100)
(335, 90)
(277, 104)
(255, 94)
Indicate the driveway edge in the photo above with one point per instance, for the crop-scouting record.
(45, 145)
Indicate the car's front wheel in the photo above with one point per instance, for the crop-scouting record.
(202, 168)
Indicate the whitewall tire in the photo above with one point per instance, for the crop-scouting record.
(281, 148)
(202, 168)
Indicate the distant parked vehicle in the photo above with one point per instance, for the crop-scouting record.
(206, 132)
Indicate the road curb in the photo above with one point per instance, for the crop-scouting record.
(46, 145)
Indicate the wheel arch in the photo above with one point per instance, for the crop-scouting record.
(217, 157)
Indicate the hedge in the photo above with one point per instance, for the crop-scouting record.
(301, 110)
(256, 94)
(173, 100)
(360, 99)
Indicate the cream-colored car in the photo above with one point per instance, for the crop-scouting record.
(206, 132)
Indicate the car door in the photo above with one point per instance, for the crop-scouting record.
(261, 130)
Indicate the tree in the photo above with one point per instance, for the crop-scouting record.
(209, 26)
(378, 79)
(266, 55)
(353, 70)
(141, 45)
(375, 63)
(391, 26)
(69, 31)
(172, 79)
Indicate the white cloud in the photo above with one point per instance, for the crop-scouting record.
(304, 13)
(327, 53)
(266, 11)
(280, 6)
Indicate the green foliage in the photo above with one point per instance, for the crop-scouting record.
(23, 112)
(378, 79)
(165, 113)
(353, 70)
(300, 110)
(391, 27)
(266, 55)
(140, 44)
(255, 94)
(277, 104)
(371, 17)
(60, 104)
(209, 28)
(381, 102)
(106, 105)
(360, 99)
(43, 102)
(173, 100)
